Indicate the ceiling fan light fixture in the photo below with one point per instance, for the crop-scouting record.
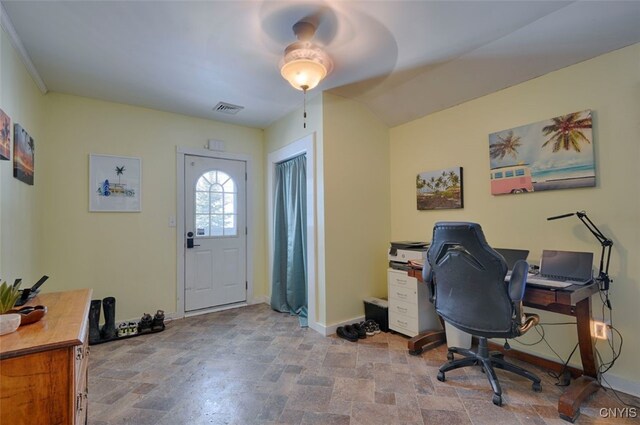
(303, 74)
(305, 65)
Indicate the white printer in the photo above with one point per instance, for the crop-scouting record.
(400, 253)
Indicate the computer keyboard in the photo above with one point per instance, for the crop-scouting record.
(547, 282)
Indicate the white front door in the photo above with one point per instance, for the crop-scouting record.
(215, 227)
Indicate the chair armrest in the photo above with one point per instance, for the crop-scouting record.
(427, 278)
(518, 280)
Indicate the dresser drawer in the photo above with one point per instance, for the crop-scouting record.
(400, 278)
(401, 293)
(403, 324)
(409, 309)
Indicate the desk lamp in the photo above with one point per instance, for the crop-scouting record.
(606, 243)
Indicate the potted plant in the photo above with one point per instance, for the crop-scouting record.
(8, 296)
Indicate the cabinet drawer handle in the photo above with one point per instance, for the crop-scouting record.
(79, 402)
(79, 354)
(401, 309)
(401, 295)
(405, 324)
(402, 281)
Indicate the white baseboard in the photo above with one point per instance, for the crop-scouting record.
(331, 329)
(622, 384)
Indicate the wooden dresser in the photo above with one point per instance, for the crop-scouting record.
(43, 366)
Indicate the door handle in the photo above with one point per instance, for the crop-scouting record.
(190, 243)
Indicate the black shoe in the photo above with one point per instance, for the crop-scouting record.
(94, 320)
(158, 321)
(349, 336)
(108, 331)
(359, 328)
(145, 324)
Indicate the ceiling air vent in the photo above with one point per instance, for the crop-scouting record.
(227, 108)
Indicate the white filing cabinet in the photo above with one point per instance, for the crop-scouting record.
(410, 311)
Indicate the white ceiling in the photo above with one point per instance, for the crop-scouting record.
(403, 59)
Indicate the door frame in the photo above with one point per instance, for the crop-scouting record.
(181, 151)
(306, 146)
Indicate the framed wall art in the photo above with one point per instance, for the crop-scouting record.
(115, 183)
(440, 189)
(5, 136)
(23, 155)
(553, 154)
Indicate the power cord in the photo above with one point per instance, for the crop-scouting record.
(564, 377)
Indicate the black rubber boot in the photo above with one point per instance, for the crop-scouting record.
(94, 321)
(109, 329)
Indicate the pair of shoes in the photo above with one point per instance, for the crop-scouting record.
(371, 327)
(157, 324)
(145, 324)
(348, 333)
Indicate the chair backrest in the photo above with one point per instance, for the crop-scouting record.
(471, 293)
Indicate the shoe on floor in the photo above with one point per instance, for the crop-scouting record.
(359, 328)
(348, 335)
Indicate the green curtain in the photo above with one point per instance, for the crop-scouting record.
(289, 290)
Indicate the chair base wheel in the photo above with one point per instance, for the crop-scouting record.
(497, 400)
(440, 376)
(450, 356)
(537, 387)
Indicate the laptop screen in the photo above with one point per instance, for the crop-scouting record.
(567, 264)
(511, 256)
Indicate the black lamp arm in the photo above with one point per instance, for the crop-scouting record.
(606, 243)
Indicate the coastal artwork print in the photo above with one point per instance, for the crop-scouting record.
(114, 183)
(547, 155)
(23, 155)
(5, 136)
(439, 190)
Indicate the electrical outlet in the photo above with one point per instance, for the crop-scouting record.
(600, 329)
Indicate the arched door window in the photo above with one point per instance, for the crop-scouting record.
(216, 205)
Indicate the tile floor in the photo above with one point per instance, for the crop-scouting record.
(255, 366)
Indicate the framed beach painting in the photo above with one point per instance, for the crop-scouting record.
(440, 189)
(115, 183)
(23, 155)
(5, 136)
(547, 155)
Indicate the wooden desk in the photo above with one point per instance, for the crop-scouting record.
(43, 366)
(572, 301)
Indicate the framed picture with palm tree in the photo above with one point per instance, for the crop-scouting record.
(115, 183)
(5, 136)
(23, 155)
(440, 189)
(552, 154)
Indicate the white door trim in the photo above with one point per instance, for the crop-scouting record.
(180, 230)
(306, 145)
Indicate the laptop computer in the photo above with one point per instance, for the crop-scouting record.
(512, 256)
(29, 293)
(563, 268)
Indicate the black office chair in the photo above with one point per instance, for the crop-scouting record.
(466, 284)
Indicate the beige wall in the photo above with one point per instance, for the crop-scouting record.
(357, 214)
(19, 228)
(610, 86)
(131, 256)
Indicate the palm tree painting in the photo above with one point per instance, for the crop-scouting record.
(440, 189)
(5, 136)
(115, 183)
(552, 154)
(23, 155)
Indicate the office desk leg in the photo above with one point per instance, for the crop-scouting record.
(426, 341)
(583, 387)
